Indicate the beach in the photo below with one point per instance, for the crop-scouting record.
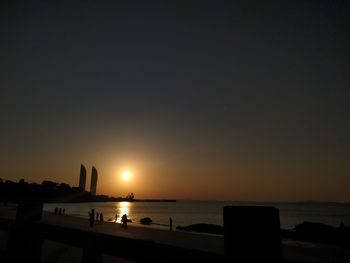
(57, 252)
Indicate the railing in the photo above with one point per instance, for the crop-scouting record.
(27, 235)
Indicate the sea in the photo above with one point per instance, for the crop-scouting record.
(185, 213)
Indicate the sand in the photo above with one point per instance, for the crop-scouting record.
(176, 238)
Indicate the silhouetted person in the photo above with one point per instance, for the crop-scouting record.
(97, 216)
(171, 223)
(64, 211)
(101, 218)
(56, 210)
(116, 217)
(60, 211)
(124, 221)
(92, 217)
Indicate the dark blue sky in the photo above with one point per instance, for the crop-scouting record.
(249, 98)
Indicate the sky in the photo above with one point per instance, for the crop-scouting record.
(219, 100)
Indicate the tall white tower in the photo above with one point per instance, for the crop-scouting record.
(93, 185)
(82, 178)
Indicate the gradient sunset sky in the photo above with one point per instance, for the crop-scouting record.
(228, 100)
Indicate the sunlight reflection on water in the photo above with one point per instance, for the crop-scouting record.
(123, 208)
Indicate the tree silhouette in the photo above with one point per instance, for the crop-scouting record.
(130, 196)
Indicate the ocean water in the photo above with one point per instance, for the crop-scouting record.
(185, 213)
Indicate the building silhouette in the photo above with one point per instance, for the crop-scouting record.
(82, 178)
(93, 185)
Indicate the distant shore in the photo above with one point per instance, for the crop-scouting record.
(114, 200)
(52, 192)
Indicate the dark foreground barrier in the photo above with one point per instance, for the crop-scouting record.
(252, 234)
(27, 235)
(25, 240)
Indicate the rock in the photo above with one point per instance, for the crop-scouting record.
(319, 233)
(315, 232)
(146, 221)
(203, 228)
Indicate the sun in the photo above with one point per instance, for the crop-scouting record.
(126, 175)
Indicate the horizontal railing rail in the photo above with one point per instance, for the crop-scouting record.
(94, 244)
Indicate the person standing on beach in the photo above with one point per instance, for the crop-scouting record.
(116, 217)
(124, 221)
(97, 216)
(101, 218)
(171, 223)
(92, 217)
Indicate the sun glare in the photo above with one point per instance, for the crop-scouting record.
(126, 175)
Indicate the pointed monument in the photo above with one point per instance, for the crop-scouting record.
(93, 185)
(82, 178)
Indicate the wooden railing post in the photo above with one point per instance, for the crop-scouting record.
(25, 239)
(252, 234)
